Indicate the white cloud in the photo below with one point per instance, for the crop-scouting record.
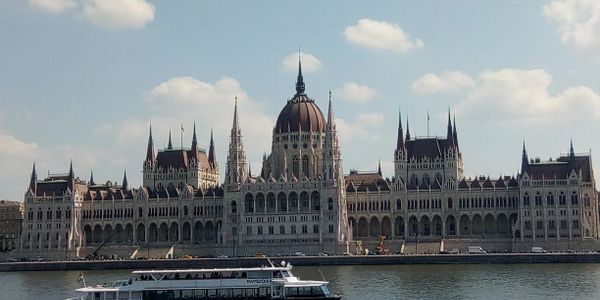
(578, 22)
(52, 6)
(516, 95)
(448, 81)
(185, 99)
(381, 35)
(119, 14)
(352, 91)
(369, 119)
(310, 63)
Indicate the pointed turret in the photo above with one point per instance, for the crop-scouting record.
(455, 135)
(124, 184)
(194, 140)
(236, 158)
(332, 168)
(91, 182)
(212, 155)
(571, 151)
(170, 145)
(33, 180)
(450, 134)
(407, 131)
(379, 168)
(400, 139)
(300, 81)
(524, 159)
(150, 150)
(71, 178)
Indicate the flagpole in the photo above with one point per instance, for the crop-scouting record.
(181, 136)
(427, 123)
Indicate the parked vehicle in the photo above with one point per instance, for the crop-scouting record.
(298, 253)
(476, 250)
(323, 254)
(38, 258)
(538, 250)
(222, 256)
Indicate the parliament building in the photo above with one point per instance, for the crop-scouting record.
(302, 200)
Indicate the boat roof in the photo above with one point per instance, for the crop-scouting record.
(214, 270)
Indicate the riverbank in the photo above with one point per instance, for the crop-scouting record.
(508, 258)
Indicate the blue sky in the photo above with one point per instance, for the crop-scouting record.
(81, 79)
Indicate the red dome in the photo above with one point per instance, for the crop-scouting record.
(300, 114)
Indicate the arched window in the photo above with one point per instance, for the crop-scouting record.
(271, 229)
(305, 168)
(450, 203)
(550, 199)
(295, 167)
(233, 207)
(574, 199)
(398, 204)
(330, 204)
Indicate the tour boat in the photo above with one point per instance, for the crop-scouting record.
(266, 282)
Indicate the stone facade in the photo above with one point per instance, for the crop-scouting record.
(302, 201)
(11, 222)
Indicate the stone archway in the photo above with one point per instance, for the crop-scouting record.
(97, 234)
(209, 232)
(141, 233)
(128, 234)
(186, 232)
(363, 227)
(87, 232)
(425, 226)
(163, 232)
(153, 233)
(386, 227)
(375, 227)
(399, 226)
(118, 238)
(502, 225)
(174, 232)
(489, 225)
(198, 232)
(413, 226)
(477, 224)
(465, 225)
(450, 225)
(437, 225)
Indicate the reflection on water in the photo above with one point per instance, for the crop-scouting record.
(519, 281)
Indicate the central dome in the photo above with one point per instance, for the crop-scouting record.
(300, 113)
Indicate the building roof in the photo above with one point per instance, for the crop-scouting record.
(430, 147)
(561, 168)
(363, 182)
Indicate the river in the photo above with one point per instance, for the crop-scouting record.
(477, 281)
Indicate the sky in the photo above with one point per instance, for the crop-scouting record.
(81, 80)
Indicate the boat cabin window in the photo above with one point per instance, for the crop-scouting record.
(305, 291)
(259, 274)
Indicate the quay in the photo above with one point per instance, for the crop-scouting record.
(505, 258)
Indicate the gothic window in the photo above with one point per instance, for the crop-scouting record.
(539, 225)
(438, 177)
(551, 224)
(414, 180)
(249, 230)
(260, 230)
(305, 168)
(330, 204)
(233, 207)
(249, 203)
(538, 199)
(574, 199)
(398, 204)
(316, 228)
(562, 198)
(550, 199)
(49, 214)
(331, 228)
(281, 229)
(304, 228)
(271, 229)
(293, 229)
(575, 224)
(586, 199)
(450, 203)
(426, 179)
(526, 200)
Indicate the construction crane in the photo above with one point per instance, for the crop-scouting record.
(94, 254)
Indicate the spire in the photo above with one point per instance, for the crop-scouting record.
(194, 140)
(571, 151)
(300, 81)
(379, 168)
(212, 159)
(329, 114)
(33, 180)
(150, 150)
(71, 177)
(407, 130)
(454, 134)
(400, 139)
(524, 159)
(235, 126)
(170, 145)
(450, 134)
(249, 170)
(91, 182)
(124, 184)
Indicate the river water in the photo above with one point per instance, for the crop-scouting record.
(515, 281)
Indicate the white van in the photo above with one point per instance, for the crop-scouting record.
(538, 250)
(476, 250)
